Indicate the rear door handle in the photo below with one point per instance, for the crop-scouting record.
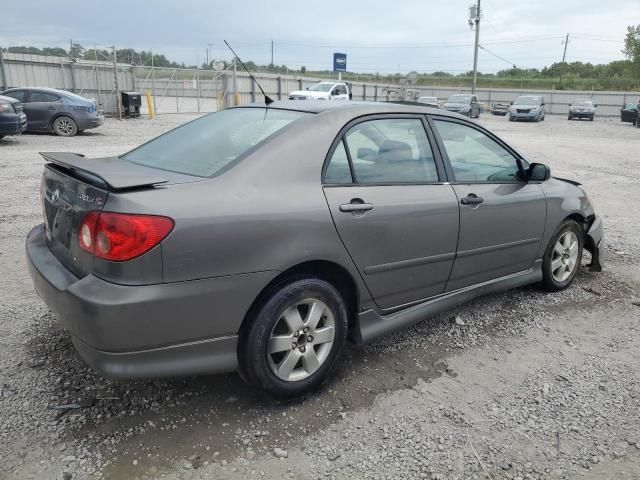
(471, 199)
(356, 207)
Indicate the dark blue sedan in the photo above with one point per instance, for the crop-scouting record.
(57, 111)
(12, 119)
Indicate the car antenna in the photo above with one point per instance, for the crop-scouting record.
(267, 99)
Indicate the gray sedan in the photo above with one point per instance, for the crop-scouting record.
(262, 239)
(56, 111)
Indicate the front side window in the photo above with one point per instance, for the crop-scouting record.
(207, 145)
(391, 151)
(474, 156)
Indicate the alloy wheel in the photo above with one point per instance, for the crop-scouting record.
(301, 340)
(64, 127)
(565, 256)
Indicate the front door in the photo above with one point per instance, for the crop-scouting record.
(40, 108)
(502, 218)
(395, 215)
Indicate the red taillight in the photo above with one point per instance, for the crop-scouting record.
(121, 236)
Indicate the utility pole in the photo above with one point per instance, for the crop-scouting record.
(115, 82)
(475, 19)
(564, 57)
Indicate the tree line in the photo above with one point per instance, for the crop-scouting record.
(618, 74)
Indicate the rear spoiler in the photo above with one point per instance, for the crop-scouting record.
(115, 173)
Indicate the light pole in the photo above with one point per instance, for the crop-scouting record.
(474, 18)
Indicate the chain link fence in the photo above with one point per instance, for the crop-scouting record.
(184, 90)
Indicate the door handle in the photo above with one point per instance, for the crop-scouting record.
(471, 199)
(356, 206)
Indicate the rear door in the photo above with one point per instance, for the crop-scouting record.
(502, 218)
(393, 211)
(40, 108)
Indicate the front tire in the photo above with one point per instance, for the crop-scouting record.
(65, 126)
(294, 339)
(563, 256)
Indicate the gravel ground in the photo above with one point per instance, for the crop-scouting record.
(517, 385)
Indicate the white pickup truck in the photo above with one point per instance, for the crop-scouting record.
(323, 91)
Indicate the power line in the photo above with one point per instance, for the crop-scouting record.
(497, 56)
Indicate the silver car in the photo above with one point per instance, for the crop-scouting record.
(262, 239)
(582, 109)
(528, 107)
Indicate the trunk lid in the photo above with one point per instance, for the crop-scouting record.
(65, 202)
(72, 186)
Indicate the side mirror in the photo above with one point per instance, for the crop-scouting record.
(538, 172)
(365, 152)
(595, 105)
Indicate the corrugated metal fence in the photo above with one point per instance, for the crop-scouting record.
(177, 90)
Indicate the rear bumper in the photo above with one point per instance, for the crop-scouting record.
(13, 124)
(594, 243)
(147, 331)
(92, 121)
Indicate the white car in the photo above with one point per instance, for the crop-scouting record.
(429, 101)
(323, 91)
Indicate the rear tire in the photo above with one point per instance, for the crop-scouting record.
(293, 340)
(65, 126)
(563, 256)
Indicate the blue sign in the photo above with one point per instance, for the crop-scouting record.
(339, 62)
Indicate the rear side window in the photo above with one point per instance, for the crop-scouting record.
(17, 94)
(474, 156)
(43, 97)
(391, 151)
(207, 145)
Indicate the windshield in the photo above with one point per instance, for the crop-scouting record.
(527, 101)
(459, 99)
(207, 145)
(321, 87)
(583, 103)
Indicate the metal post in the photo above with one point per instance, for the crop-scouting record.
(73, 77)
(115, 83)
(364, 92)
(235, 81)
(253, 91)
(198, 86)
(153, 82)
(475, 52)
(375, 93)
(64, 86)
(3, 72)
(279, 88)
(95, 53)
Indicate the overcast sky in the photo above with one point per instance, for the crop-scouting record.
(377, 35)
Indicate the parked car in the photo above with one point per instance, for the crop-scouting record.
(429, 101)
(56, 111)
(582, 109)
(463, 104)
(323, 91)
(260, 239)
(629, 113)
(528, 107)
(12, 120)
(500, 109)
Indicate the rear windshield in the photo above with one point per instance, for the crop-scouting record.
(207, 145)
